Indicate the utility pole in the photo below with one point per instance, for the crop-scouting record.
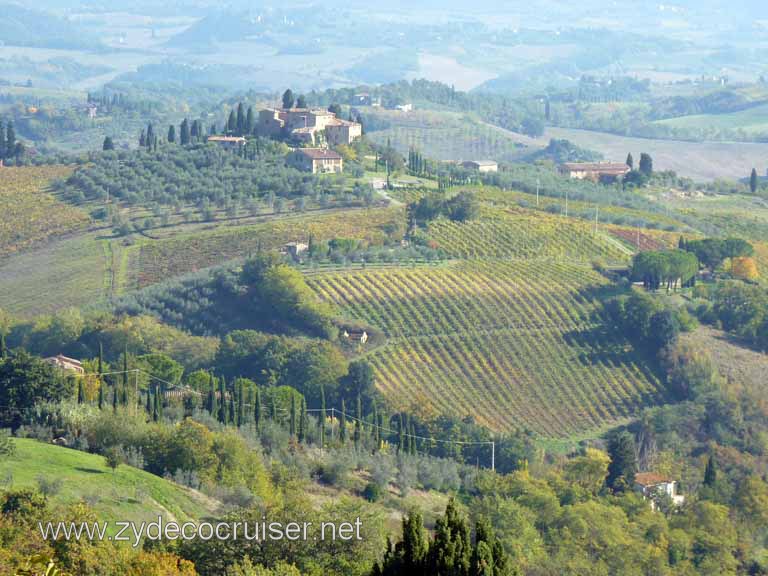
(538, 183)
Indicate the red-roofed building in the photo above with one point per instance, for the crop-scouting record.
(316, 160)
(650, 484)
(596, 171)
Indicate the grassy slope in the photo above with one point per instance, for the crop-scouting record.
(752, 120)
(126, 494)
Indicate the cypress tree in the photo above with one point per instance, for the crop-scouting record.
(108, 144)
(321, 417)
(250, 124)
(156, 407)
(231, 122)
(115, 397)
(101, 395)
(412, 438)
(142, 139)
(621, 469)
(302, 420)
(80, 392)
(240, 405)
(151, 138)
(10, 139)
(753, 181)
(2, 140)
(288, 99)
(240, 119)
(257, 410)
(343, 423)
(400, 435)
(149, 405)
(3, 349)
(222, 401)
(184, 132)
(293, 415)
(451, 551)
(375, 426)
(231, 419)
(171, 134)
(358, 418)
(630, 161)
(710, 473)
(212, 410)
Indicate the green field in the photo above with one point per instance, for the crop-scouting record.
(126, 494)
(513, 344)
(752, 121)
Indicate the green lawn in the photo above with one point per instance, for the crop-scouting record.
(126, 494)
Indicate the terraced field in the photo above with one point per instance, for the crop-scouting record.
(31, 214)
(515, 344)
(519, 233)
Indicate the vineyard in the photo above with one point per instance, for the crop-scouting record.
(31, 214)
(513, 344)
(520, 233)
(155, 261)
(443, 135)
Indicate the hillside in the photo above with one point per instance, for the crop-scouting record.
(32, 214)
(515, 345)
(125, 494)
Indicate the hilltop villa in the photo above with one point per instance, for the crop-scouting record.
(307, 126)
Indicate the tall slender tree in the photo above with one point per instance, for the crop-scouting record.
(171, 134)
(240, 405)
(343, 423)
(80, 391)
(630, 161)
(302, 420)
(250, 124)
(358, 420)
(753, 181)
(222, 412)
(321, 418)
(257, 410)
(240, 128)
(293, 416)
(184, 135)
(288, 99)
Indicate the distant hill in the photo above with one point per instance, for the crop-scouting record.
(24, 27)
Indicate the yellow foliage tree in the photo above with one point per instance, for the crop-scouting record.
(744, 268)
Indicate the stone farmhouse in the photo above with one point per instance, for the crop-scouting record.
(316, 160)
(481, 165)
(595, 171)
(64, 363)
(307, 126)
(650, 484)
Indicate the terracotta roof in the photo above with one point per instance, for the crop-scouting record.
(651, 479)
(320, 153)
(596, 167)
